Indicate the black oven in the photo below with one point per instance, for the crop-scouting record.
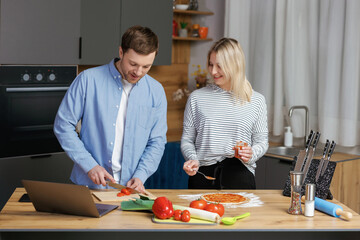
(29, 99)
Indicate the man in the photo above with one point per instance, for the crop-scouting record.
(123, 117)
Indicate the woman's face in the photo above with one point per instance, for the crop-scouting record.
(217, 73)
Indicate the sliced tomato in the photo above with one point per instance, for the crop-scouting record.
(125, 191)
(120, 194)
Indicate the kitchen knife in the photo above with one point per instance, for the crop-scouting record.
(302, 154)
(326, 148)
(331, 151)
(310, 155)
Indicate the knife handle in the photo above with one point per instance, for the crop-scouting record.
(309, 140)
(316, 140)
(331, 150)
(327, 144)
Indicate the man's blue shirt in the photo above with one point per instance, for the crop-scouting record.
(94, 98)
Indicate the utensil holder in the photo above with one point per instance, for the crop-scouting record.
(322, 185)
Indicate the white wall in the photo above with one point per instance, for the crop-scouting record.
(215, 23)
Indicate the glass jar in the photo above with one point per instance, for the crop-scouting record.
(296, 185)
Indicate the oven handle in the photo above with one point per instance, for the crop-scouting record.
(36, 89)
(34, 128)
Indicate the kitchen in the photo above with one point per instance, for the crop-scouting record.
(173, 77)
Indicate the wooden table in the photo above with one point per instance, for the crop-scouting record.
(270, 221)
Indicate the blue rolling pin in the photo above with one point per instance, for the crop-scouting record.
(331, 209)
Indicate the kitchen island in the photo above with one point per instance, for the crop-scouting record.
(19, 220)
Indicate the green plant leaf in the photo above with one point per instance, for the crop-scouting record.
(183, 24)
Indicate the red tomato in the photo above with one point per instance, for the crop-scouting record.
(120, 194)
(221, 209)
(185, 216)
(215, 208)
(125, 191)
(177, 215)
(199, 204)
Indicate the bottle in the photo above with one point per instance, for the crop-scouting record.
(309, 200)
(288, 137)
(174, 29)
(295, 201)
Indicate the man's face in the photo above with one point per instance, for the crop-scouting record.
(133, 66)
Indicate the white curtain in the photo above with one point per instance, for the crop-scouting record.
(303, 53)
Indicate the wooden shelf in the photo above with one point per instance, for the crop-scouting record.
(192, 12)
(191, 39)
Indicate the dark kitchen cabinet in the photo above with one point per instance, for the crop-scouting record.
(271, 173)
(39, 31)
(156, 15)
(86, 32)
(100, 31)
(104, 22)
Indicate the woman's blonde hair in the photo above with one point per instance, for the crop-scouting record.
(231, 59)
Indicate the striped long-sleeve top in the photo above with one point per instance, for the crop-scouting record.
(214, 122)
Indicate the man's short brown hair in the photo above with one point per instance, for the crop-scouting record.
(141, 39)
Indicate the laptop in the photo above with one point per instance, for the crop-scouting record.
(64, 198)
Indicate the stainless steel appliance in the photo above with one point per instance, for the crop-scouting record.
(29, 99)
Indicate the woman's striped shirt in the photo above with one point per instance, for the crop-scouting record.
(214, 122)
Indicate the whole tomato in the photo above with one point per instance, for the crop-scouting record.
(199, 204)
(185, 216)
(215, 208)
(177, 215)
(163, 208)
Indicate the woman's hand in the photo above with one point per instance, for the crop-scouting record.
(191, 167)
(246, 154)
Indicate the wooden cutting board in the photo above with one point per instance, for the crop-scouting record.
(104, 196)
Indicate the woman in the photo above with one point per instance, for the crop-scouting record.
(220, 115)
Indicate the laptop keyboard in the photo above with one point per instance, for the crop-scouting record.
(103, 208)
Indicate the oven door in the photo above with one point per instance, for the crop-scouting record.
(27, 118)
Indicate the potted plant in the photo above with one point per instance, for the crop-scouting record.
(183, 30)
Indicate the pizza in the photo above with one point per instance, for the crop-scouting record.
(224, 198)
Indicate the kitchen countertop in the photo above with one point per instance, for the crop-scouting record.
(271, 216)
(338, 156)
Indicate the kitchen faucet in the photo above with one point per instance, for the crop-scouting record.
(306, 118)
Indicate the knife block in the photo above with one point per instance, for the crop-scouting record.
(322, 185)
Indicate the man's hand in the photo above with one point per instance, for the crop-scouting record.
(191, 167)
(136, 183)
(98, 175)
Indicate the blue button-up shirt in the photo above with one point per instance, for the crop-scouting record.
(94, 98)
